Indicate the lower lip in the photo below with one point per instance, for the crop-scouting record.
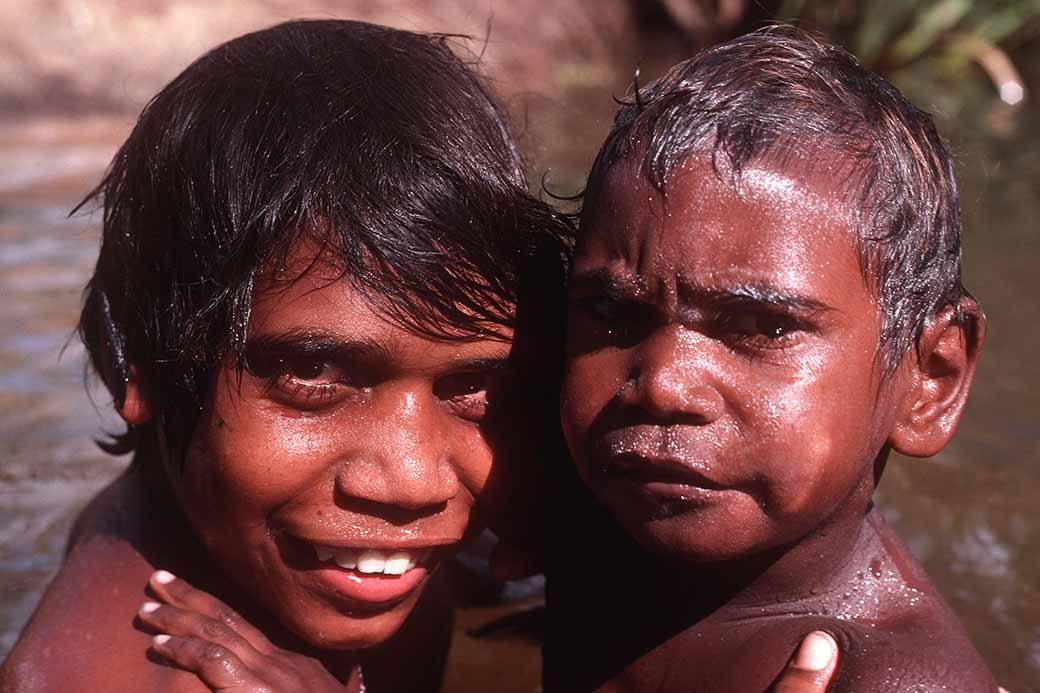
(372, 589)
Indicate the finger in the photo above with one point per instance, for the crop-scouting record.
(812, 667)
(217, 666)
(509, 562)
(171, 620)
(178, 592)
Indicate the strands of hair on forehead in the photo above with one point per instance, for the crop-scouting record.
(785, 98)
(380, 148)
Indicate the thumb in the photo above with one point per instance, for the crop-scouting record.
(812, 667)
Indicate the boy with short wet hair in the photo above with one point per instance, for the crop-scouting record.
(765, 301)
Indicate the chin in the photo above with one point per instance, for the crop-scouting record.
(687, 540)
(343, 632)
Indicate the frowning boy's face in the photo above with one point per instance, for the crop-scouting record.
(722, 394)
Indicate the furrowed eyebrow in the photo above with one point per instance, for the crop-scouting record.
(612, 283)
(762, 294)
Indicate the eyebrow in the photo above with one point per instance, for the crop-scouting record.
(311, 343)
(761, 293)
(324, 345)
(611, 282)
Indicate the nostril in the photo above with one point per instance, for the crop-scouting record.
(675, 393)
(395, 513)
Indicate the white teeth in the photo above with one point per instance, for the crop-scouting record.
(371, 561)
(398, 563)
(346, 558)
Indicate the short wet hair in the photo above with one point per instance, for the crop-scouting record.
(383, 146)
(780, 94)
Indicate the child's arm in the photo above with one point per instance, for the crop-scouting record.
(228, 653)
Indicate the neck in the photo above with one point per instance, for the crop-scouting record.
(809, 568)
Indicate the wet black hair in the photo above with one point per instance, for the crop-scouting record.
(382, 146)
(781, 96)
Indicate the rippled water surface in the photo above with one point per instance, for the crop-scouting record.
(970, 514)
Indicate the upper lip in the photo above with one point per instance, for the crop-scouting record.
(659, 454)
(384, 538)
(379, 544)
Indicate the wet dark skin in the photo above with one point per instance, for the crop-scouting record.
(729, 414)
(347, 430)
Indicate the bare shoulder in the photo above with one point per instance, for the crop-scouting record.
(912, 640)
(82, 635)
(917, 657)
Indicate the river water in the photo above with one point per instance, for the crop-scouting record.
(969, 514)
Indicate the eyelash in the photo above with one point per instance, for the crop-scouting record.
(783, 333)
(470, 404)
(301, 391)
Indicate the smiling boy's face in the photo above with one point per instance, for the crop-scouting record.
(722, 395)
(346, 462)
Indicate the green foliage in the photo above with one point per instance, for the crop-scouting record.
(888, 36)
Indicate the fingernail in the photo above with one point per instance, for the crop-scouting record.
(161, 639)
(816, 652)
(163, 577)
(149, 607)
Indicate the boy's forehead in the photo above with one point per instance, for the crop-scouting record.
(767, 222)
(310, 289)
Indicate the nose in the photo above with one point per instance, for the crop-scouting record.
(401, 456)
(672, 380)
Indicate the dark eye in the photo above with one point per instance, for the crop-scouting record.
(599, 307)
(757, 330)
(460, 384)
(610, 310)
(468, 393)
(761, 325)
(307, 369)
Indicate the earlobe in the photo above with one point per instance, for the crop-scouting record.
(943, 368)
(136, 408)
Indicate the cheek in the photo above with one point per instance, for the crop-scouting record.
(819, 434)
(477, 465)
(243, 463)
(589, 384)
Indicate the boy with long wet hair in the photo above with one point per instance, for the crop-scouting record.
(765, 300)
(313, 248)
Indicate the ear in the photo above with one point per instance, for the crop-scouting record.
(136, 408)
(942, 369)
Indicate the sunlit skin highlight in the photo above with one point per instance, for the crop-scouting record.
(724, 400)
(344, 429)
(721, 323)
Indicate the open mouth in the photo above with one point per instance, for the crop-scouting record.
(374, 561)
(372, 580)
